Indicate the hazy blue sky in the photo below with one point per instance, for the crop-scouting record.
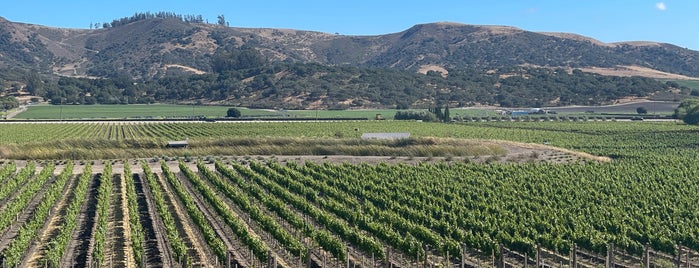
(669, 21)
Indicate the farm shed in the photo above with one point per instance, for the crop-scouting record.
(386, 135)
(178, 144)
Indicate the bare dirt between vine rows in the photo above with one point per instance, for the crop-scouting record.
(117, 238)
(156, 248)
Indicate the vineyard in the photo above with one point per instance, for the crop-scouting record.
(241, 211)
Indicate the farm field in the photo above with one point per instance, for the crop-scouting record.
(158, 111)
(653, 107)
(163, 111)
(693, 84)
(129, 111)
(138, 203)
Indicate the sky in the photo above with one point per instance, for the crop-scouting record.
(668, 21)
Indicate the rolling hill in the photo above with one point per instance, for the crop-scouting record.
(156, 48)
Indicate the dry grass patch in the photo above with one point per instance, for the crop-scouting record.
(441, 148)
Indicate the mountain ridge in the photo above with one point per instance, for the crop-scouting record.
(158, 42)
(146, 58)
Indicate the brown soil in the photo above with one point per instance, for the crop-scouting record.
(185, 68)
(431, 67)
(129, 258)
(117, 250)
(156, 247)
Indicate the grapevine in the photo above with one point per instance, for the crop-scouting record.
(58, 244)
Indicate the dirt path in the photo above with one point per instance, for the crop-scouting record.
(128, 247)
(14, 113)
(117, 252)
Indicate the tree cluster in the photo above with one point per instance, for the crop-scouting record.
(8, 102)
(442, 115)
(241, 76)
(233, 112)
(147, 15)
(415, 115)
(688, 111)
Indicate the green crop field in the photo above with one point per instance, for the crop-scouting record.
(447, 208)
(136, 111)
(131, 111)
(693, 84)
(164, 111)
(590, 136)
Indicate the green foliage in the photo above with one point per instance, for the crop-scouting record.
(12, 185)
(241, 78)
(446, 117)
(688, 111)
(641, 110)
(414, 115)
(137, 233)
(58, 244)
(176, 243)
(234, 221)
(104, 193)
(30, 231)
(267, 223)
(133, 111)
(233, 59)
(138, 16)
(233, 112)
(8, 102)
(274, 203)
(646, 195)
(221, 20)
(195, 213)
